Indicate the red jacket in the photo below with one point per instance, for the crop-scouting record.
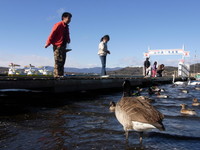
(57, 34)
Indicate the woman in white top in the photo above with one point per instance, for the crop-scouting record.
(103, 51)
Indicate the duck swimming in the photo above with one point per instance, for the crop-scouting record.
(197, 88)
(187, 111)
(195, 102)
(179, 82)
(184, 91)
(193, 82)
(112, 106)
(161, 96)
(157, 89)
(150, 91)
(137, 93)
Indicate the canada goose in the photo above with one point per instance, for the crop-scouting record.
(135, 113)
(187, 111)
(195, 102)
(112, 106)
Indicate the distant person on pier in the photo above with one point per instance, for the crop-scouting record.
(160, 69)
(154, 69)
(147, 68)
(59, 38)
(102, 52)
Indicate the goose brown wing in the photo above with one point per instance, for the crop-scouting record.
(142, 111)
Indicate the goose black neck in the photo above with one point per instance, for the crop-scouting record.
(127, 88)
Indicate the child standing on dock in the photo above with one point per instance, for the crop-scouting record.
(103, 51)
(59, 38)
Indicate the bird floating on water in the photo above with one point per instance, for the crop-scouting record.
(112, 106)
(187, 111)
(195, 102)
(193, 82)
(157, 89)
(161, 96)
(135, 113)
(197, 88)
(138, 91)
(178, 82)
(150, 91)
(184, 91)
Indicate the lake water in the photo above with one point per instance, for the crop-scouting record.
(84, 122)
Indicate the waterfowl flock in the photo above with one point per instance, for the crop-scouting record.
(185, 83)
(136, 111)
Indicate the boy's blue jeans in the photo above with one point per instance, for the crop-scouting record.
(103, 62)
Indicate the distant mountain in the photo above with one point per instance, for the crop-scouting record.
(138, 71)
(128, 71)
(169, 70)
(83, 70)
(3, 70)
(89, 70)
(71, 69)
(195, 68)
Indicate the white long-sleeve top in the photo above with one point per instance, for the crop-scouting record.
(103, 49)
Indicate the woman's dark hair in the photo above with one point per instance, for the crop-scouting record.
(66, 14)
(105, 36)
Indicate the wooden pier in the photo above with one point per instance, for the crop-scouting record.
(76, 83)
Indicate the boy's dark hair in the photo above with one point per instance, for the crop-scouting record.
(66, 14)
(105, 36)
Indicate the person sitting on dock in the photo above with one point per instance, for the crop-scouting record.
(160, 69)
(59, 38)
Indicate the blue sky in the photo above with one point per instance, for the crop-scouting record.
(133, 25)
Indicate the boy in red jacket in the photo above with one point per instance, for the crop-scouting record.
(59, 38)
